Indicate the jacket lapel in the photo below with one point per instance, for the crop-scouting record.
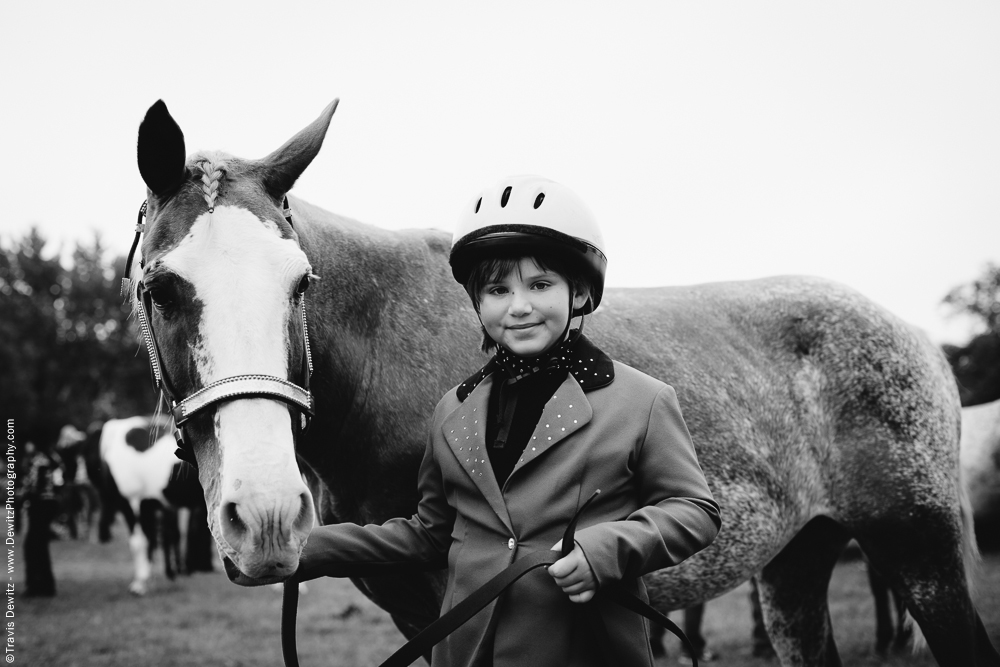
(465, 432)
(566, 412)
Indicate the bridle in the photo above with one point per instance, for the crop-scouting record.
(227, 389)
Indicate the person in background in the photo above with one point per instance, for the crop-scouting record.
(42, 484)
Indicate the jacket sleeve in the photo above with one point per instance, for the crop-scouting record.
(418, 543)
(678, 516)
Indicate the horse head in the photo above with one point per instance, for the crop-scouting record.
(220, 289)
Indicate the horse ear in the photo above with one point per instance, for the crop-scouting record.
(281, 168)
(160, 150)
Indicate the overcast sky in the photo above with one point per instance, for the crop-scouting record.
(859, 141)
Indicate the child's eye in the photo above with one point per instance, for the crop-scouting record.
(541, 284)
(496, 290)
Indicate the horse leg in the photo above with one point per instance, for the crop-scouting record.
(111, 503)
(692, 628)
(171, 542)
(883, 617)
(93, 508)
(413, 602)
(73, 504)
(761, 642)
(139, 545)
(183, 541)
(656, 633)
(924, 557)
(904, 632)
(793, 593)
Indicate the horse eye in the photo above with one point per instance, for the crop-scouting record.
(161, 296)
(303, 285)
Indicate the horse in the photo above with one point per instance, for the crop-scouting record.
(817, 415)
(79, 497)
(142, 479)
(977, 368)
(980, 460)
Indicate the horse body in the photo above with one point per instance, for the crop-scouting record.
(142, 479)
(816, 415)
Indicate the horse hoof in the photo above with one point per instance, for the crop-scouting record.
(137, 589)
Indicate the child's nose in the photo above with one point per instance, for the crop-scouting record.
(519, 303)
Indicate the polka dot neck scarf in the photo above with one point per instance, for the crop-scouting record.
(517, 368)
(591, 367)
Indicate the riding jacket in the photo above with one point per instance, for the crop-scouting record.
(625, 437)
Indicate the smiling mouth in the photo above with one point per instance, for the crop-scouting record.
(522, 327)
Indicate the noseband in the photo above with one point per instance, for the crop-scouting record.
(228, 389)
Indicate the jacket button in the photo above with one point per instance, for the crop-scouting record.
(511, 543)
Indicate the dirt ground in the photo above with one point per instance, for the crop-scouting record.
(205, 620)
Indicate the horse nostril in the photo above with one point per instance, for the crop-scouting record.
(306, 516)
(233, 526)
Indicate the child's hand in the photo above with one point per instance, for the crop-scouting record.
(573, 574)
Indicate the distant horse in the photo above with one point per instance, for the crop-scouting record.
(817, 415)
(981, 469)
(79, 496)
(142, 479)
(977, 368)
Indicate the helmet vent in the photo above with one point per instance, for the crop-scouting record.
(505, 197)
(539, 199)
(478, 204)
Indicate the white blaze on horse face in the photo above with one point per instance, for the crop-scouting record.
(244, 274)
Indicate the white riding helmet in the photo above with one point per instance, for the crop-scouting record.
(530, 214)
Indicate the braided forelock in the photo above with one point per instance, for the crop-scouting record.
(213, 170)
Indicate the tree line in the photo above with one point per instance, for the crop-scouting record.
(70, 352)
(976, 364)
(69, 349)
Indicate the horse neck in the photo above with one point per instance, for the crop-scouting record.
(382, 295)
(371, 275)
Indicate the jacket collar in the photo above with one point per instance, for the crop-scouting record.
(591, 367)
(465, 432)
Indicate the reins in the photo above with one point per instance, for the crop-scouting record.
(427, 638)
(226, 389)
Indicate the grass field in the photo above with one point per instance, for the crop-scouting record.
(204, 620)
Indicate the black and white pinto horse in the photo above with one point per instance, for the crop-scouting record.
(143, 480)
(817, 415)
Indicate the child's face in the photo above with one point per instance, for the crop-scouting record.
(527, 310)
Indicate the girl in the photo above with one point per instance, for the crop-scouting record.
(516, 449)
